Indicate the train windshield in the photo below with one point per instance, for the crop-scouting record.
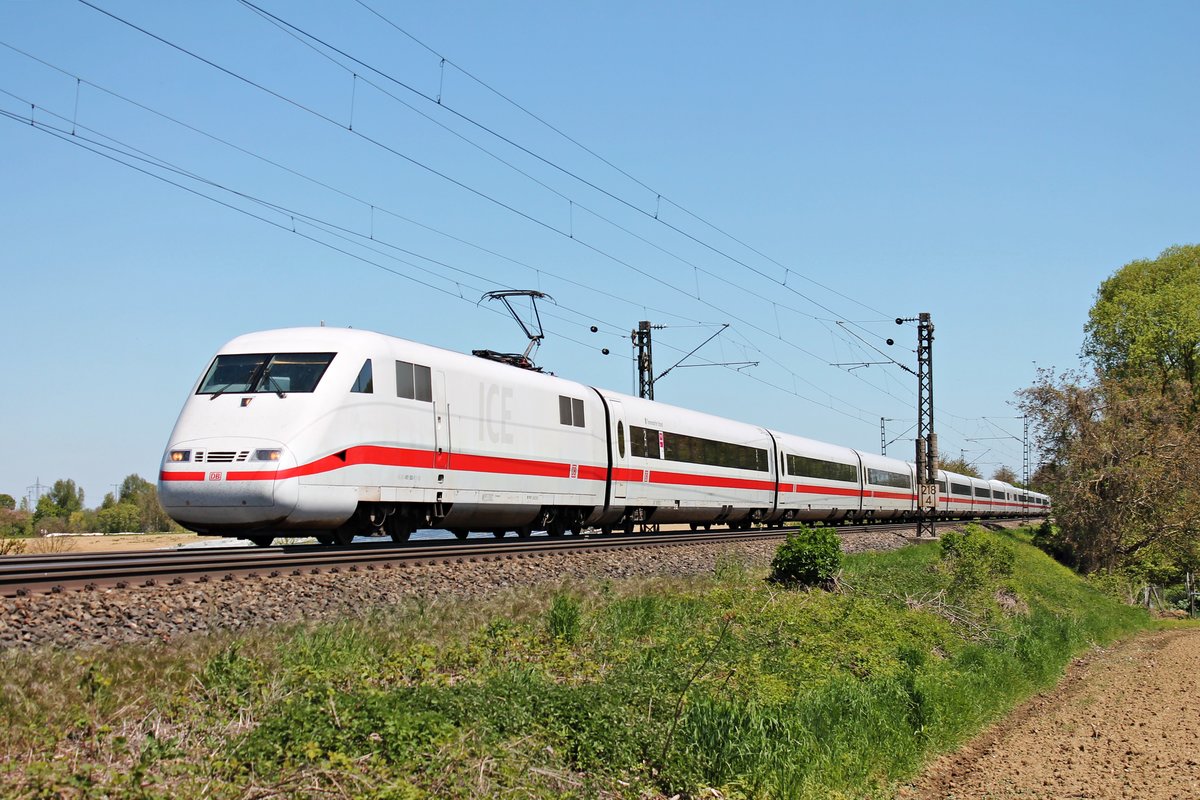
(265, 372)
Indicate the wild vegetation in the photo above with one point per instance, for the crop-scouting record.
(734, 682)
(1121, 441)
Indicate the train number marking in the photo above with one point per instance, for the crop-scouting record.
(574, 470)
(645, 476)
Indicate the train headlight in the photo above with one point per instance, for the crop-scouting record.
(266, 455)
(177, 456)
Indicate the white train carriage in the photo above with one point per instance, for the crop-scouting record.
(889, 487)
(981, 497)
(818, 481)
(677, 465)
(1003, 498)
(957, 495)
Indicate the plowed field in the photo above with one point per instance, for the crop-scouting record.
(1123, 723)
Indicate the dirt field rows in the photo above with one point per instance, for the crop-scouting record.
(1124, 723)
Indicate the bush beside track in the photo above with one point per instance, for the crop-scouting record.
(626, 689)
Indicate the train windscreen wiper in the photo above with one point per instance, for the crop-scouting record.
(267, 380)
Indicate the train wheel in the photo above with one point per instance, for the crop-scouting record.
(499, 533)
(400, 533)
(628, 527)
(460, 533)
(524, 532)
(555, 529)
(325, 538)
(262, 541)
(606, 530)
(342, 537)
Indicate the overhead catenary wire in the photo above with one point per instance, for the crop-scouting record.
(588, 245)
(294, 30)
(483, 195)
(114, 154)
(658, 195)
(777, 334)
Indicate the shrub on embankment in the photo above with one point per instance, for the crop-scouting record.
(663, 687)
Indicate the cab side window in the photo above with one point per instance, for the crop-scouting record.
(413, 382)
(364, 384)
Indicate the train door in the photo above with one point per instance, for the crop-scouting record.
(441, 422)
(620, 455)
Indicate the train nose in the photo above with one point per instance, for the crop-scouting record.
(225, 484)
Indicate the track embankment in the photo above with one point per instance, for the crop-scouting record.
(1123, 723)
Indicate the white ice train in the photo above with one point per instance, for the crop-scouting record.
(339, 433)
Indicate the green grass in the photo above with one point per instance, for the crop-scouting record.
(667, 686)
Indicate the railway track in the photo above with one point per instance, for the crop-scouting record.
(32, 574)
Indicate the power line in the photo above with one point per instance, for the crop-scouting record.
(114, 154)
(440, 174)
(658, 195)
(302, 35)
(777, 335)
(387, 148)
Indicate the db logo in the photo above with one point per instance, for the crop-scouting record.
(214, 476)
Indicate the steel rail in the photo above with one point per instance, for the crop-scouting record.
(29, 574)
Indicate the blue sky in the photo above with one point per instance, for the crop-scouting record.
(990, 163)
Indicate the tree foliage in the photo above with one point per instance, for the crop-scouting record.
(134, 509)
(1121, 463)
(1145, 323)
(1005, 474)
(14, 524)
(132, 487)
(63, 499)
(8, 501)
(960, 466)
(1122, 444)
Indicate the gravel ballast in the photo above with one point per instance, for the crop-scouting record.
(104, 617)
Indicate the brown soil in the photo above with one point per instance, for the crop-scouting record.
(1124, 723)
(116, 541)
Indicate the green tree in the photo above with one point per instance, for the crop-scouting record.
(119, 518)
(1145, 322)
(13, 524)
(46, 507)
(7, 501)
(142, 494)
(960, 466)
(132, 487)
(1121, 464)
(1005, 474)
(66, 497)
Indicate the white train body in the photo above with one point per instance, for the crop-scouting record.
(343, 432)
